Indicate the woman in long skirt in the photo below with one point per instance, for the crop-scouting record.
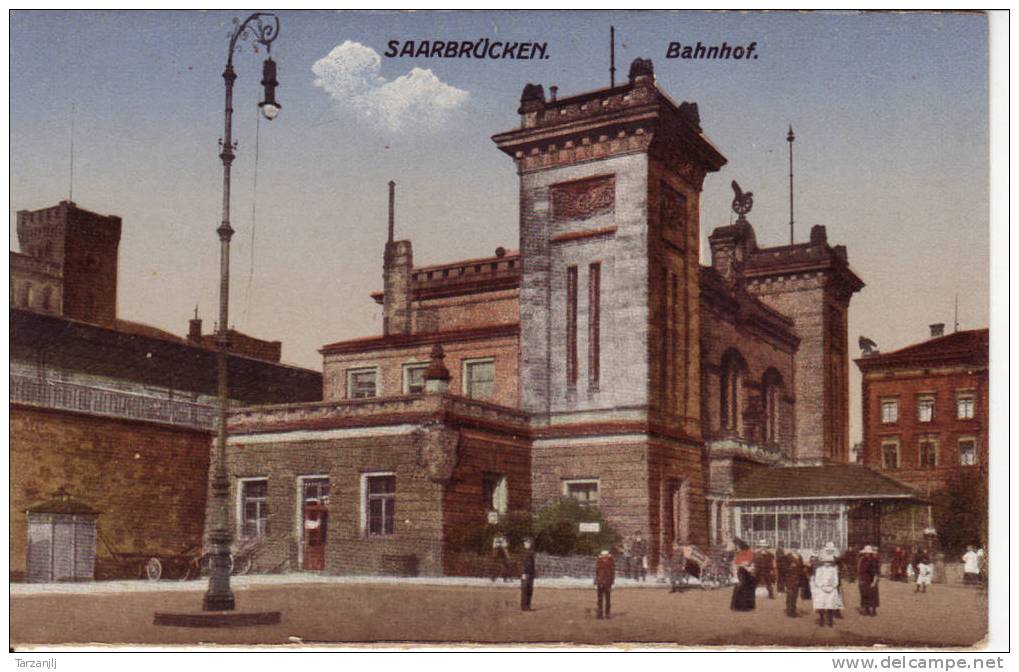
(825, 589)
(743, 598)
(868, 573)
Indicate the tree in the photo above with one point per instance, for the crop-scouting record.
(960, 513)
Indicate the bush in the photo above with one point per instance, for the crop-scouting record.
(960, 513)
(557, 529)
(477, 537)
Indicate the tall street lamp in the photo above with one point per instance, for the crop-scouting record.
(263, 28)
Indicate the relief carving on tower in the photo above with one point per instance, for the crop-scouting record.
(438, 451)
(582, 199)
(672, 212)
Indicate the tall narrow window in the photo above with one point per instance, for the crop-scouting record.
(571, 326)
(928, 453)
(967, 451)
(594, 326)
(925, 408)
(380, 504)
(254, 511)
(964, 404)
(674, 345)
(479, 378)
(890, 454)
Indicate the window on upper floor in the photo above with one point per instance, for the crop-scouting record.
(584, 490)
(362, 383)
(479, 378)
(928, 453)
(414, 378)
(890, 454)
(889, 410)
(925, 408)
(965, 405)
(967, 451)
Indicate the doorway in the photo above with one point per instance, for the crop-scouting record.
(314, 521)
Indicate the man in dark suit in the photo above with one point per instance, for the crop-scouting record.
(527, 576)
(604, 577)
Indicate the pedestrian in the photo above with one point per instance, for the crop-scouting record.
(500, 556)
(628, 558)
(781, 567)
(924, 572)
(604, 577)
(792, 577)
(848, 563)
(743, 597)
(869, 572)
(764, 568)
(809, 563)
(825, 588)
(982, 560)
(677, 567)
(970, 567)
(527, 576)
(640, 557)
(899, 562)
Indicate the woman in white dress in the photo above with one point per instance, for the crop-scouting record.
(824, 588)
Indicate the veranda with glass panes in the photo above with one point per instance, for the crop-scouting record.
(793, 525)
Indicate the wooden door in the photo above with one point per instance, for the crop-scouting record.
(316, 529)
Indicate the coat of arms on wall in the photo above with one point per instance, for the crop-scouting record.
(438, 451)
(585, 198)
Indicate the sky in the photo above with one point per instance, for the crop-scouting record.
(890, 113)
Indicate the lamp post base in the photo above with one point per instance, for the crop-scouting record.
(223, 619)
(218, 602)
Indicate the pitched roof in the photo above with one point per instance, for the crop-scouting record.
(962, 346)
(830, 481)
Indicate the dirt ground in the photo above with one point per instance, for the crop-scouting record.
(947, 616)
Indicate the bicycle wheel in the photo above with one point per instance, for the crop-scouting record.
(153, 569)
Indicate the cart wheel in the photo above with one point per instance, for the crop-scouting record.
(153, 569)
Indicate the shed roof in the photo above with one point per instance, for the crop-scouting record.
(828, 482)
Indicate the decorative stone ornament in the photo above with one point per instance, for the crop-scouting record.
(438, 451)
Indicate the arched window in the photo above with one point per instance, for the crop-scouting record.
(731, 391)
(771, 386)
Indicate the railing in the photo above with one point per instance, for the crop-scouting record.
(112, 403)
(728, 447)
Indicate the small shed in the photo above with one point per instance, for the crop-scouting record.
(61, 540)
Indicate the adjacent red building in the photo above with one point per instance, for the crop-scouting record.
(925, 409)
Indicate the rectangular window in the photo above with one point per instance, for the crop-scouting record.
(928, 453)
(925, 408)
(254, 511)
(965, 403)
(380, 504)
(967, 452)
(479, 378)
(594, 326)
(362, 383)
(496, 492)
(584, 491)
(414, 378)
(890, 454)
(889, 410)
(571, 326)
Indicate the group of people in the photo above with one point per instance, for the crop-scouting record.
(817, 578)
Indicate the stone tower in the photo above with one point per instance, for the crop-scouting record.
(84, 246)
(811, 283)
(610, 182)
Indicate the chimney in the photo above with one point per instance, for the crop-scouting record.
(195, 328)
(397, 265)
(938, 330)
(553, 91)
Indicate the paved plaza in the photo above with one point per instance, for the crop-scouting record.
(337, 610)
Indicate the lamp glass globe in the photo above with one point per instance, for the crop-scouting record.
(270, 111)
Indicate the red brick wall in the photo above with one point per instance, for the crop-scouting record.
(147, 480)
(946, 426)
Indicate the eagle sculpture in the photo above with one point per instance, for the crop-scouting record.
(868, 346)
(742, 202)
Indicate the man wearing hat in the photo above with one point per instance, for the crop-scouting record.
(604, 577)
(791, 578)
(527, 576)
(868, 572)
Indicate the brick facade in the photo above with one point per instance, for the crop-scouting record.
(145, 479)
(941, 370)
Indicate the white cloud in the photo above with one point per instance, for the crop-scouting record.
(416, 100)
